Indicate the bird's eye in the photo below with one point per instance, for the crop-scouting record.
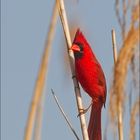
(80, 46)
(79, 50)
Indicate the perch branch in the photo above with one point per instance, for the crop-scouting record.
(63, 17)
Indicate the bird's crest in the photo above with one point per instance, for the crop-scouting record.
(79, 37)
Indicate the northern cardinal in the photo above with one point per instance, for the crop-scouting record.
(91, 77)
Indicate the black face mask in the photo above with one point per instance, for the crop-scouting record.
(79, 54)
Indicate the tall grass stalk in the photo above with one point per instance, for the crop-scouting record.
(119, 106)
(129, 45)
(38, 91)
(64, 21)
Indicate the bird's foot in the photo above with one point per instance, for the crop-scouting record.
(84, 111)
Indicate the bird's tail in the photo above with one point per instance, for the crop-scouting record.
(94, 127)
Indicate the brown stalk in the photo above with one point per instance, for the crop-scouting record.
(48, 42)
(119, 108)
(117, 12)
(135, 108)
(122, 18)
(114, 45)
(64, 22)
(134, 113)
(125, 56)
(38, 121)
(38, 91)
(120, 73)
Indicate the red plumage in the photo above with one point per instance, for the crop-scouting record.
(91, 77)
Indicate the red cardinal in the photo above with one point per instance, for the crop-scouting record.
(91, 77)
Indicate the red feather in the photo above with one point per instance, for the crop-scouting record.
(91, 77)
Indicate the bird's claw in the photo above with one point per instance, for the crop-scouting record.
(84, 111)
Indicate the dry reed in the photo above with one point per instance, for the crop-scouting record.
(38, 91)
(63, 17)
(48, 42)
(120, 71)
(134, 113)
(119, 108)
(129, 44)
(38, 121)
(114, 45)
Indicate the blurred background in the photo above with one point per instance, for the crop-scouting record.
(24, 27)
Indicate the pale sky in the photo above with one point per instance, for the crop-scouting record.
(24, 26)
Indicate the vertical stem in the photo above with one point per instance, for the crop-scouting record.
(38, 123)
(124, 19)
(134, 113)
(114, 45)
(48, 44)
(119, 104)
(38, 91)
(63, 17)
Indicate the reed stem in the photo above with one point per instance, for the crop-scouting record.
(119, 105)
(63, 17)
(40, 82)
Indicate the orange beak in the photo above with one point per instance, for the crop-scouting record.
(75, 48)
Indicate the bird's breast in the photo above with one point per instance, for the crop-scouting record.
(90, 76)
